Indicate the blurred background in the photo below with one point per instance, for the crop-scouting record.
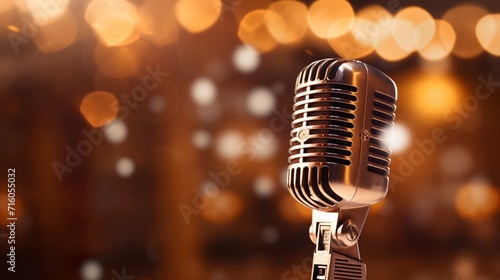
(150, 138)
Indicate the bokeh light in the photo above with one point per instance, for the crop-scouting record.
(254, 32)
(398, 138)
(223, 208)
(57, 35)
(265, 143)
(413, 28)
(456, 160)
(157, 22)
(369, 27)
(355, 43)
(261, 102)
(203, 91)
(330, 18)
(201, 139)
(116, 132)
(270, 235)
(246, 59)
(122, 61)
(464, 19)
(263, 186)
(228, 144)
(113, 21)
(6, 5)
(388, 48)
(464, 267)
(375, 22)
(197, 15)
(294, 17)
(293, 211)
(434, 94)
(13, 28)
(91, 270)
(99, 108)
(488, 33)
(240, 8)
(125, 167)
(44, 12)
(477, 200)
(157, 104)
(441, 44)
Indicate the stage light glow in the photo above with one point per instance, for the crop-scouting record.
(240, 8)
(388, 49)
(203, 91)
(13, 28)
(413, 28)
(488, 33)
(223, 208)
(91, 270)
(125, 167)
(330, 18)
(57, 35)
(6, 5)
(372, 24)
(157, 22)
(113, 21)
(294, 16)
(201, 139)
(477, 200)
(157, 104)
(116, 131)
(263, 186)
(246, 59)
(116, 62)
(228, 144)
(99, 108)
(441, 43)
(355, 43)
(293, 211)
(398, 138)
(254, 32)
(197, 15)
(44, 12)
(433, 94)
(464, 18)
(261, 102)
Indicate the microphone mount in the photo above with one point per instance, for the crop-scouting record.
(336, 236)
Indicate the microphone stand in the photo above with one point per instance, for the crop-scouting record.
(335, 234)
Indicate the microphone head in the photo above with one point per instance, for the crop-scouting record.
(338, 157)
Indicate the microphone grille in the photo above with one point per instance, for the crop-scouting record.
(383, 114)
(323, 114)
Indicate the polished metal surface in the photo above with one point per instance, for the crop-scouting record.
(339, 161)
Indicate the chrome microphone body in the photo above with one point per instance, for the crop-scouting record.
(339, 161)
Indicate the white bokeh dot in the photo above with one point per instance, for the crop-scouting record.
(398, 138)
(157, 104)
(116, 132)
(228, 144)
(260, 102)
(246, 59)
(263, 186)
(91, 270)
(125, 167)
(201, 139)
(203, 91)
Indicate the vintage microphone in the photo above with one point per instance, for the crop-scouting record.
(339, 161)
